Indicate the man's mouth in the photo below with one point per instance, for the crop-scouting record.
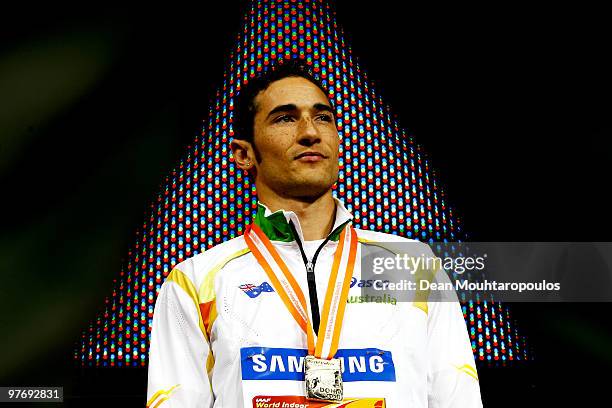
(310, 156)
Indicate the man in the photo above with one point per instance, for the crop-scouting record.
(263, 319)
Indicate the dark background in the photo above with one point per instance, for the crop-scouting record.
(96, 107)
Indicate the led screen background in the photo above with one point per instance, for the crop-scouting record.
(385, 180)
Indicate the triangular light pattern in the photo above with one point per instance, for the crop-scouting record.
(385, 181)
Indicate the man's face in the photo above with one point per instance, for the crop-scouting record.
(296, 139)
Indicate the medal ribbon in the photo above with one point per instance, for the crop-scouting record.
(326, 344)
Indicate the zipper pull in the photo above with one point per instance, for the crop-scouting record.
(310, 267)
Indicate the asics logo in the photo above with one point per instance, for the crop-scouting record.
(364, 283)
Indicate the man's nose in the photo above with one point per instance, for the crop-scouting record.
(307, 132)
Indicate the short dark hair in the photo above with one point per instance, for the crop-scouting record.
(245, 109)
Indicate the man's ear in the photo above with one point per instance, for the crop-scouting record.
(243, 154)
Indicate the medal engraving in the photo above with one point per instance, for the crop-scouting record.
(323, 379)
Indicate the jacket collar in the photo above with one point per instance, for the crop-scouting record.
(276, 224)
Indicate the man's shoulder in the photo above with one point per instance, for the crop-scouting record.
(373, 237)
(198, 266)
(378, 236)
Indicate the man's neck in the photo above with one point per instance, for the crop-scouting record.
(316, 216)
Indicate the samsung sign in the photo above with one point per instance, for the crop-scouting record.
(263, 363)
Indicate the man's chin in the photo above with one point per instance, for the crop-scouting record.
(310, 188)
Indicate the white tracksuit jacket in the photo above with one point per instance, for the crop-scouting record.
(222, 337)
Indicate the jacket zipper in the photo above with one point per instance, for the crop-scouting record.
(310, 275)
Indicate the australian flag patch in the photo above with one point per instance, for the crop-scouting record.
(253, 291)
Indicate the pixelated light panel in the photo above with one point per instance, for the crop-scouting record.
(385, 180)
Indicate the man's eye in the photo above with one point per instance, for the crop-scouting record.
(283, 118)
(325, 118)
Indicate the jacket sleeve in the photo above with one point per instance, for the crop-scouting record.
(452, 376)
(179, 350)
